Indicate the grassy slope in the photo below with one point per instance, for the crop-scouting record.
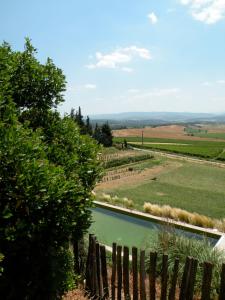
(193, 187)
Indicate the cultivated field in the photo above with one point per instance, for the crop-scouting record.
(201, 148)
(207, 132)
(202, 141)
(176, 182)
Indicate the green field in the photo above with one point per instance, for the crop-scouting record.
(202, 149)
(204, 133)
(193, 187)
(216, 135)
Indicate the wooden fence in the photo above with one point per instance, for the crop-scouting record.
(125, 276)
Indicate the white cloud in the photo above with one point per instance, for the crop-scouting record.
(153, 18)
(120, 57)
(207, 11)
(211, 83)
(221, 81)
(128, 70)
(90, 86)
(133, 91)
(163, 92)
(207, 83)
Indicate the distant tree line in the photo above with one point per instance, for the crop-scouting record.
(102, 134)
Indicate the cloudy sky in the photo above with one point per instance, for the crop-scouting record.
(127, 55)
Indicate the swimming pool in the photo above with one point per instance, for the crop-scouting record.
(111, 225)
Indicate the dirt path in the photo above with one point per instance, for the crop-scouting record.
(144, 176)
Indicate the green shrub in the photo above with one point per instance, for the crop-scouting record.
(47, 173)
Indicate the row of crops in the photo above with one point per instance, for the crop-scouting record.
(126, 160)
(123, 163)
(203, 149)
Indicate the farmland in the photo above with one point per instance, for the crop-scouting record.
(177, 139)
(203, 149)
(176, 182)
(176, 132)
(190, 187)
(205, 133)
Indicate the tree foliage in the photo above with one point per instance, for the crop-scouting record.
(103, 135)
(47, 173)
(77, 117)
(30, 83)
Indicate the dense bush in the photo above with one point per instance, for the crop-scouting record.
(47, 173)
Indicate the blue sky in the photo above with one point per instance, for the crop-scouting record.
(127, 55)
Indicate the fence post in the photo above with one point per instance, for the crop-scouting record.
(193, 271)
(104, 272)
(185, 279)
(164, 277)
(135, 273)
(172, 291)
(113, 278)
(119, 272)
(98, 262)
(206, 280)
(93, 269)
(142, 276)
(222, 283)
(126, 285)
(88, 264)
(152, 275)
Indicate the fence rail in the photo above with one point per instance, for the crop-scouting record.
(125, 276)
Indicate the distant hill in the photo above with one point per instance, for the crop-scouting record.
(140, 119)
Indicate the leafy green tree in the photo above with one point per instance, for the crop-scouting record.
(107, 135)
(79, 118)
(103, 135)
(30, 83)
(85, 126)
(97, 133)
(47, 173)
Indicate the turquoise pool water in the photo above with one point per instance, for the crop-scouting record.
(110, 226)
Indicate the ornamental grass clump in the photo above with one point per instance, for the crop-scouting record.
(127, 202)
(166, 211)
(182, 215)
(220, 224)
(202, 221)
(105, 197)
(177, 246)
(153, 209)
